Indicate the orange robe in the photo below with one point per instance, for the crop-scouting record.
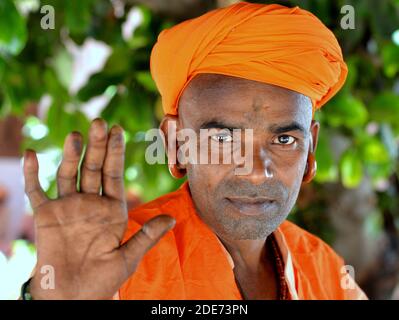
(191, 263)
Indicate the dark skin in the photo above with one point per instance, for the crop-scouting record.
(79, 232)
(283, 137)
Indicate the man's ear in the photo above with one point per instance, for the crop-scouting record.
(311, 163)
(169, 127)
(314, 131)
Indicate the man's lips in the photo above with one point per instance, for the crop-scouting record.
(252, 206)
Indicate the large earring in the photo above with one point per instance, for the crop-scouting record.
(311, 168)
(176, 172)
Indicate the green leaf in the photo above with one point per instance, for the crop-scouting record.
(374, 151)
(62, 64)
(351, 79)
(13, 33)
(351, 168)
(97, 85)
(54, 87)
(376, 158)
(145, 79)
(346, 110)
(78, 15)
(379, 171)
(119, 61)
(385, 108)
(327, 170)
(132, 110)
(2, 68)
(15, 89)
(383, 15)
(142, 34)
(60, 123)
(390, 58)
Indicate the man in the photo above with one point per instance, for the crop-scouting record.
(221, 235)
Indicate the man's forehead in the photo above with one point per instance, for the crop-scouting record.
(238, 101)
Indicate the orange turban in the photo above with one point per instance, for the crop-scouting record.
(287, 47)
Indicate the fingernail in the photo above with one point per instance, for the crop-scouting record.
(117, 137)
(77, 146)
(99, 130)
(27, 153)
(116, 129)
(99, 122)
(171, 225)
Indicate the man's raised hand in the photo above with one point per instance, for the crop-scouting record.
(79, 233)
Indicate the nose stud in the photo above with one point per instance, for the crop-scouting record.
(268, 173)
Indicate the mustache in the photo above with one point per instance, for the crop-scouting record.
(273, 189)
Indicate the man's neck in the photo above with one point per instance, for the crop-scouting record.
(254, 268)
(247, 254)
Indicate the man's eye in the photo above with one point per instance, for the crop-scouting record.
(222, 137)
(284, 139)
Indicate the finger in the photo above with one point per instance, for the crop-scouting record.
(36, 195)
(68, 170)
(139, 244)
(90, 181)
(113, 185)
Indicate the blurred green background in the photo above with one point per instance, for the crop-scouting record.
(95, 63)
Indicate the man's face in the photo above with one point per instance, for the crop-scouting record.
(247, 206)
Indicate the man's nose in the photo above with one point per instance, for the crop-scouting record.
(262, 166)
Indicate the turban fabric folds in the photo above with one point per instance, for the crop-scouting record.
(274, 44)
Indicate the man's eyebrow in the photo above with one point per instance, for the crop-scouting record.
(282, 128)
(218, 125)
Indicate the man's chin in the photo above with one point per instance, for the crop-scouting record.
(235, 225)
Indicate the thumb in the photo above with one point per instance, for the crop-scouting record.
(141, 242)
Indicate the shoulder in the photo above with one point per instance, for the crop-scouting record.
(302, 242)
(320, 271)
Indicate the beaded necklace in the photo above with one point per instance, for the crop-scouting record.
(282, 288)
(279, 265)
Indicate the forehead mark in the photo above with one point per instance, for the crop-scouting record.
(257, 105)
